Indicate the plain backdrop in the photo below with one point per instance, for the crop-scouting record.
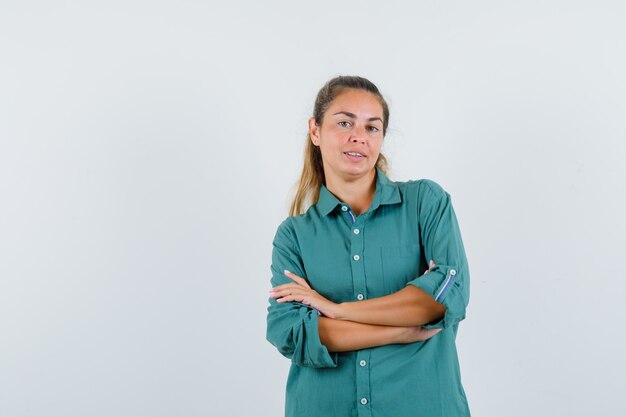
(147, 155)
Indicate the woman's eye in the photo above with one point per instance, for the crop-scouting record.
(373, 128)
(344, 125)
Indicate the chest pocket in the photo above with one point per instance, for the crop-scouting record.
(400, 265)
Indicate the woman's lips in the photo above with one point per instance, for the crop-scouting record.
(354, 156)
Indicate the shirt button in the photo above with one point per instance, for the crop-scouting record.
(344, 208)
(363, 401)
(452, 272)
(362, 363)
(357, 231)
(359, 297)
(356, 257)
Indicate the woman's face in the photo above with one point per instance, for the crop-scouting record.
(351, 134)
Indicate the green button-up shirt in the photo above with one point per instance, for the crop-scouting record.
(350, 258)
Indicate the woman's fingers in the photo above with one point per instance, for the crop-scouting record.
(430, 266)
(286, 289)
(290, 297)
(297, 279)
(290, 288)
(428, 333)
(286, 294)
(290, 292)
(295, 293)
(420, 334)
(299, 291)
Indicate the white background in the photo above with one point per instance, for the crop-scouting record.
(147, 151)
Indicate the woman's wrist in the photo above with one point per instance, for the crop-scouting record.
(339, 311)
(331, 310)
(402, 335)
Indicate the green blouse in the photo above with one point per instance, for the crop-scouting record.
(350, 258)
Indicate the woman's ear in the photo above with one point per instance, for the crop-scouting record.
(314, 131)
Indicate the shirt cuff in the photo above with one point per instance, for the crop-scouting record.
(310, 351)
(443, 284)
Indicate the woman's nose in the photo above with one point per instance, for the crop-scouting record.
(358, 135)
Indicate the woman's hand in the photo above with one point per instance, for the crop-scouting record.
(430, 266)
(416, 334)
(301, 291)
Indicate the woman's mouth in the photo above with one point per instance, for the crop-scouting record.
(354, 156)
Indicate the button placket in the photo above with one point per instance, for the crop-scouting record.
(363, 382)
(356, 237)
(348, 215)
(358, 266)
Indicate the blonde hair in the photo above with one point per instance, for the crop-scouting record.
(312, 176)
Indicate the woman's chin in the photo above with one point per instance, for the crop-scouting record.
(349, 171)
(357, 171)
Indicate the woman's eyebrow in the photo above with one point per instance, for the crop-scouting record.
(371, 119)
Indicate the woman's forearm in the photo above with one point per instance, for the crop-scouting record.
(410, 306)
(342, 335)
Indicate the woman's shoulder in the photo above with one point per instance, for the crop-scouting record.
(285, 234)
(423, 188)
(285, 226)
(288, 228)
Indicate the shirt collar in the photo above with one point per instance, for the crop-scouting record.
(387, 192)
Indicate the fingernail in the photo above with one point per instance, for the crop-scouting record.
(287, 272)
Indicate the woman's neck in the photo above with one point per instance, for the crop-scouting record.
(358, 193)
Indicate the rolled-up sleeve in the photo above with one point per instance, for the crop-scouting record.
(293, 327)
(449, 281)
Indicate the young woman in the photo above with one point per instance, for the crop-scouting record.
(370, 281)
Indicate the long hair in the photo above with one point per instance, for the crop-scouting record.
(312, 176)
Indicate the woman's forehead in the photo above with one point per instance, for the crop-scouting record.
(356, 103)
